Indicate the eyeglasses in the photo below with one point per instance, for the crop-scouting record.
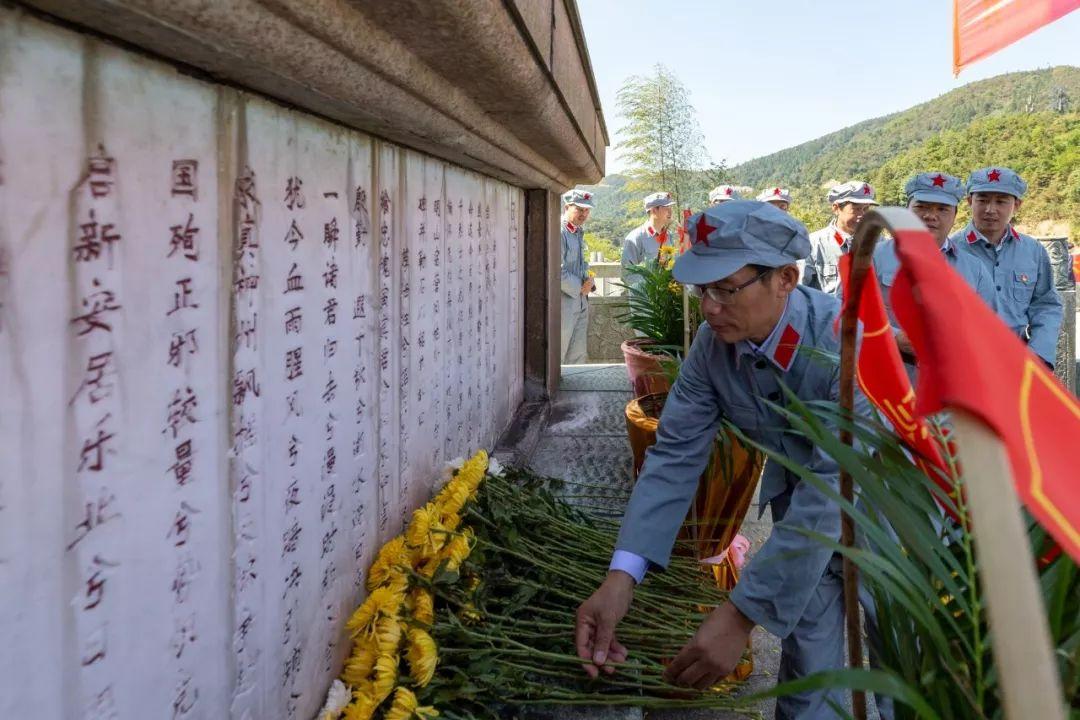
(726, 296)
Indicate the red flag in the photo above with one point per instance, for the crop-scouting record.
(982, 27)
(883, 380)
(969, 359)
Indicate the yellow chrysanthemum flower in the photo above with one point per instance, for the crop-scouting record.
(451, 522)
(458, 549)
(387, 635)
(392, 556)
(385, 677)
(360, 664)
(469, 614)
(420, 528)
(422, 605)
(404, 705)
(363, 703)
(422, 655)
(382, 601)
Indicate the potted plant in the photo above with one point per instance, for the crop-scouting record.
(654, 311)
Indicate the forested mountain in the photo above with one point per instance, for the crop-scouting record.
(1029, 121)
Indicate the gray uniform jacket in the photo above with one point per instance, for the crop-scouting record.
(718, 381)
(887, 264)
(641, 244)
(1027, 300)
(821, 269)
(574, 267)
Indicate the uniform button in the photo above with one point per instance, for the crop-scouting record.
(774, 396)
(999, 288)
(761, 364)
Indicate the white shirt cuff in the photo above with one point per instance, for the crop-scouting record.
(630, 563)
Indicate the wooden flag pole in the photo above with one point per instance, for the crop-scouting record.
(1030, 685)
(1023, 653)
(862, 251)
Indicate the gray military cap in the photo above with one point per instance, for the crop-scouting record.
(728, 236)
(853, 191)
(774, 194)
(997, 179)
(581, 198)
(724, 193)
(660, 199)
(935, 187)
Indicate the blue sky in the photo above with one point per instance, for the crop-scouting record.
(768, 75)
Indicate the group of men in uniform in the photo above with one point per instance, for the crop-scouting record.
(769, 292)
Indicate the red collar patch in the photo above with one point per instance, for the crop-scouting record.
(971, 237)
(1016, 235)
(838, 238)
(571, 227)
(785, 349)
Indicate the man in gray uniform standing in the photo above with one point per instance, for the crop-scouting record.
(1027, 300)
(574, 280)
(849, 201)
(761, 328)
(934, 197)
(644, 242)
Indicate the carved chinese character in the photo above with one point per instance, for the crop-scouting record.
(330, 276)
(181, 469)
(328, 503)
(244, 382)
(94, 450)
(294, 282)
(102, 706)
(329, 348)
(330, 234)
(95, 584)
(185, 178)
(181, 411)
(97, 513)
(100, 170)
(97, 382)
(291, 539)
(294, 450)
(358, 308)
(330, 390)
(384, 266)
(292, 665)
(358, 377)
(97, 304)
(293, 405)
(293, 236)
(187, 569)
(93, 237)
(294, 194)
(184, 698)
(292, 580)
(329, 462)
(331, 311)
(437, 209)
(294, 363)
(292, 495)
(180, 530)
(182, 344)
(328, 541)
(183, 635)
(183, 239)
(95, 646)
(384, 202)
(182, 296)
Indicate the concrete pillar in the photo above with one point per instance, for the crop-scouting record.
(543, 311)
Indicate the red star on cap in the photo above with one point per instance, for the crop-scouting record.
(939, 181)
(586, 196)
(994, 175)
(865, 189)
(703, 230)
(776, 191)
(727, 191)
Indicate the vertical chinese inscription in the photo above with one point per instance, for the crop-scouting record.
(386, 429)
(246, 465)
(98, 426)
(181, 247)
(358, 319)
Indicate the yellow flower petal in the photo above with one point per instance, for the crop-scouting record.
(422, 605)
(388, 635)
(359, 665)
(404, 705)
(422, 655)
(385, 677)
(458, 549)
(392, 556)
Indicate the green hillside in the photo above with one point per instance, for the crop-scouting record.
(861, 148)
(1016, 120)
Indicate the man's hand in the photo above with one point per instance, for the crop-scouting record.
(714, 651)
(596, 621)
(587, 286)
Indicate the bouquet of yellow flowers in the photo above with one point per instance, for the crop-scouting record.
(472, 609)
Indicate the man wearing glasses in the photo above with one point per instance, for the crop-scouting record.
(850, 201)
(760, 333)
